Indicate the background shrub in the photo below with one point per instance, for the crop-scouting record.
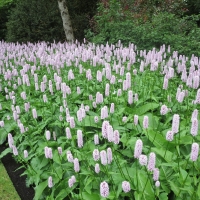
(36, 20)
(112, 24)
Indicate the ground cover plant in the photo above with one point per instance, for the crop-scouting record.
(96, 122)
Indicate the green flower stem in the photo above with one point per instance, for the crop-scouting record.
(110, 177)
(166, 149)
(80, 190)
(185, 177)
(148, 178)
(194, 193)
(130, 181)
(60, 162)
(118, 165)
(51, 161)
(137, 174)
(27, 163)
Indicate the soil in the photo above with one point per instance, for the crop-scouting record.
(18, 181)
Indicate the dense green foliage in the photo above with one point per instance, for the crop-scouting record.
(146, 23)
(36, 20)
(81, 12)
(61, 97)
(5, 6)
(41, 21)
(113, 24)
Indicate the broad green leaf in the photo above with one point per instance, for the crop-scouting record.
(92, 196)
(88, 185)
(143, 109)
(163, 196)
(138, 195)
(198, 190)
(39, 162)
(145, 185)
(165, 154)
(39, 190)
(186, 139)
(5, 152)
(157, 139)
(62, 194)
(183, 174)
(174, 187)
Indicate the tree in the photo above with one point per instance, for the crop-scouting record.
(35, 20)
(66, 20)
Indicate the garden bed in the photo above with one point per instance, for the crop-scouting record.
(94, 122)
(14, 173)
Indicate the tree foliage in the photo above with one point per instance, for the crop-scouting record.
(81, 12)
(147, 29)
(36, 20)
(5, 6)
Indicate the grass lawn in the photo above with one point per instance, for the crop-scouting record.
(7, 190)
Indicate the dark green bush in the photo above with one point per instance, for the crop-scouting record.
(5, 6)
(40, 20)
(163, 28)
(35, 20)
(81, 13)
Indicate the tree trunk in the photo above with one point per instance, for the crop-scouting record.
(66, 20)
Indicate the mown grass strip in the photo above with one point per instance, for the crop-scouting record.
(7, 190)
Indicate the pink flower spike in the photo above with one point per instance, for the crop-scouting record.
(68, 133)
(34, 112)
(124, 119)
(50, 182)
(96, 155)
(112, 108)
(194, 114)
(126, 186)
(70, 183)
(105, 126)
(110, 133)
(46, 152)
(156, 174)
(163, 110)
(104, 189)
(97, 168)
(96, 139)
(103, 157)
(146, 122)
(194, 127)
(76, 165)
(136, 119)
(15, 151)
(10, 140)
(80, 138)
(72, 122)
(116, 137)
(96, 119)
(130, 97)
(73, 179)
(143, 160)
(175, 123)
(50, 155)
(25, 153)
(157, 183)
(138, 148)
(70, 157)
(194, 152)
(60, 150)
(169, 136)
(109, 155)
(152, 161)
(48, 135)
